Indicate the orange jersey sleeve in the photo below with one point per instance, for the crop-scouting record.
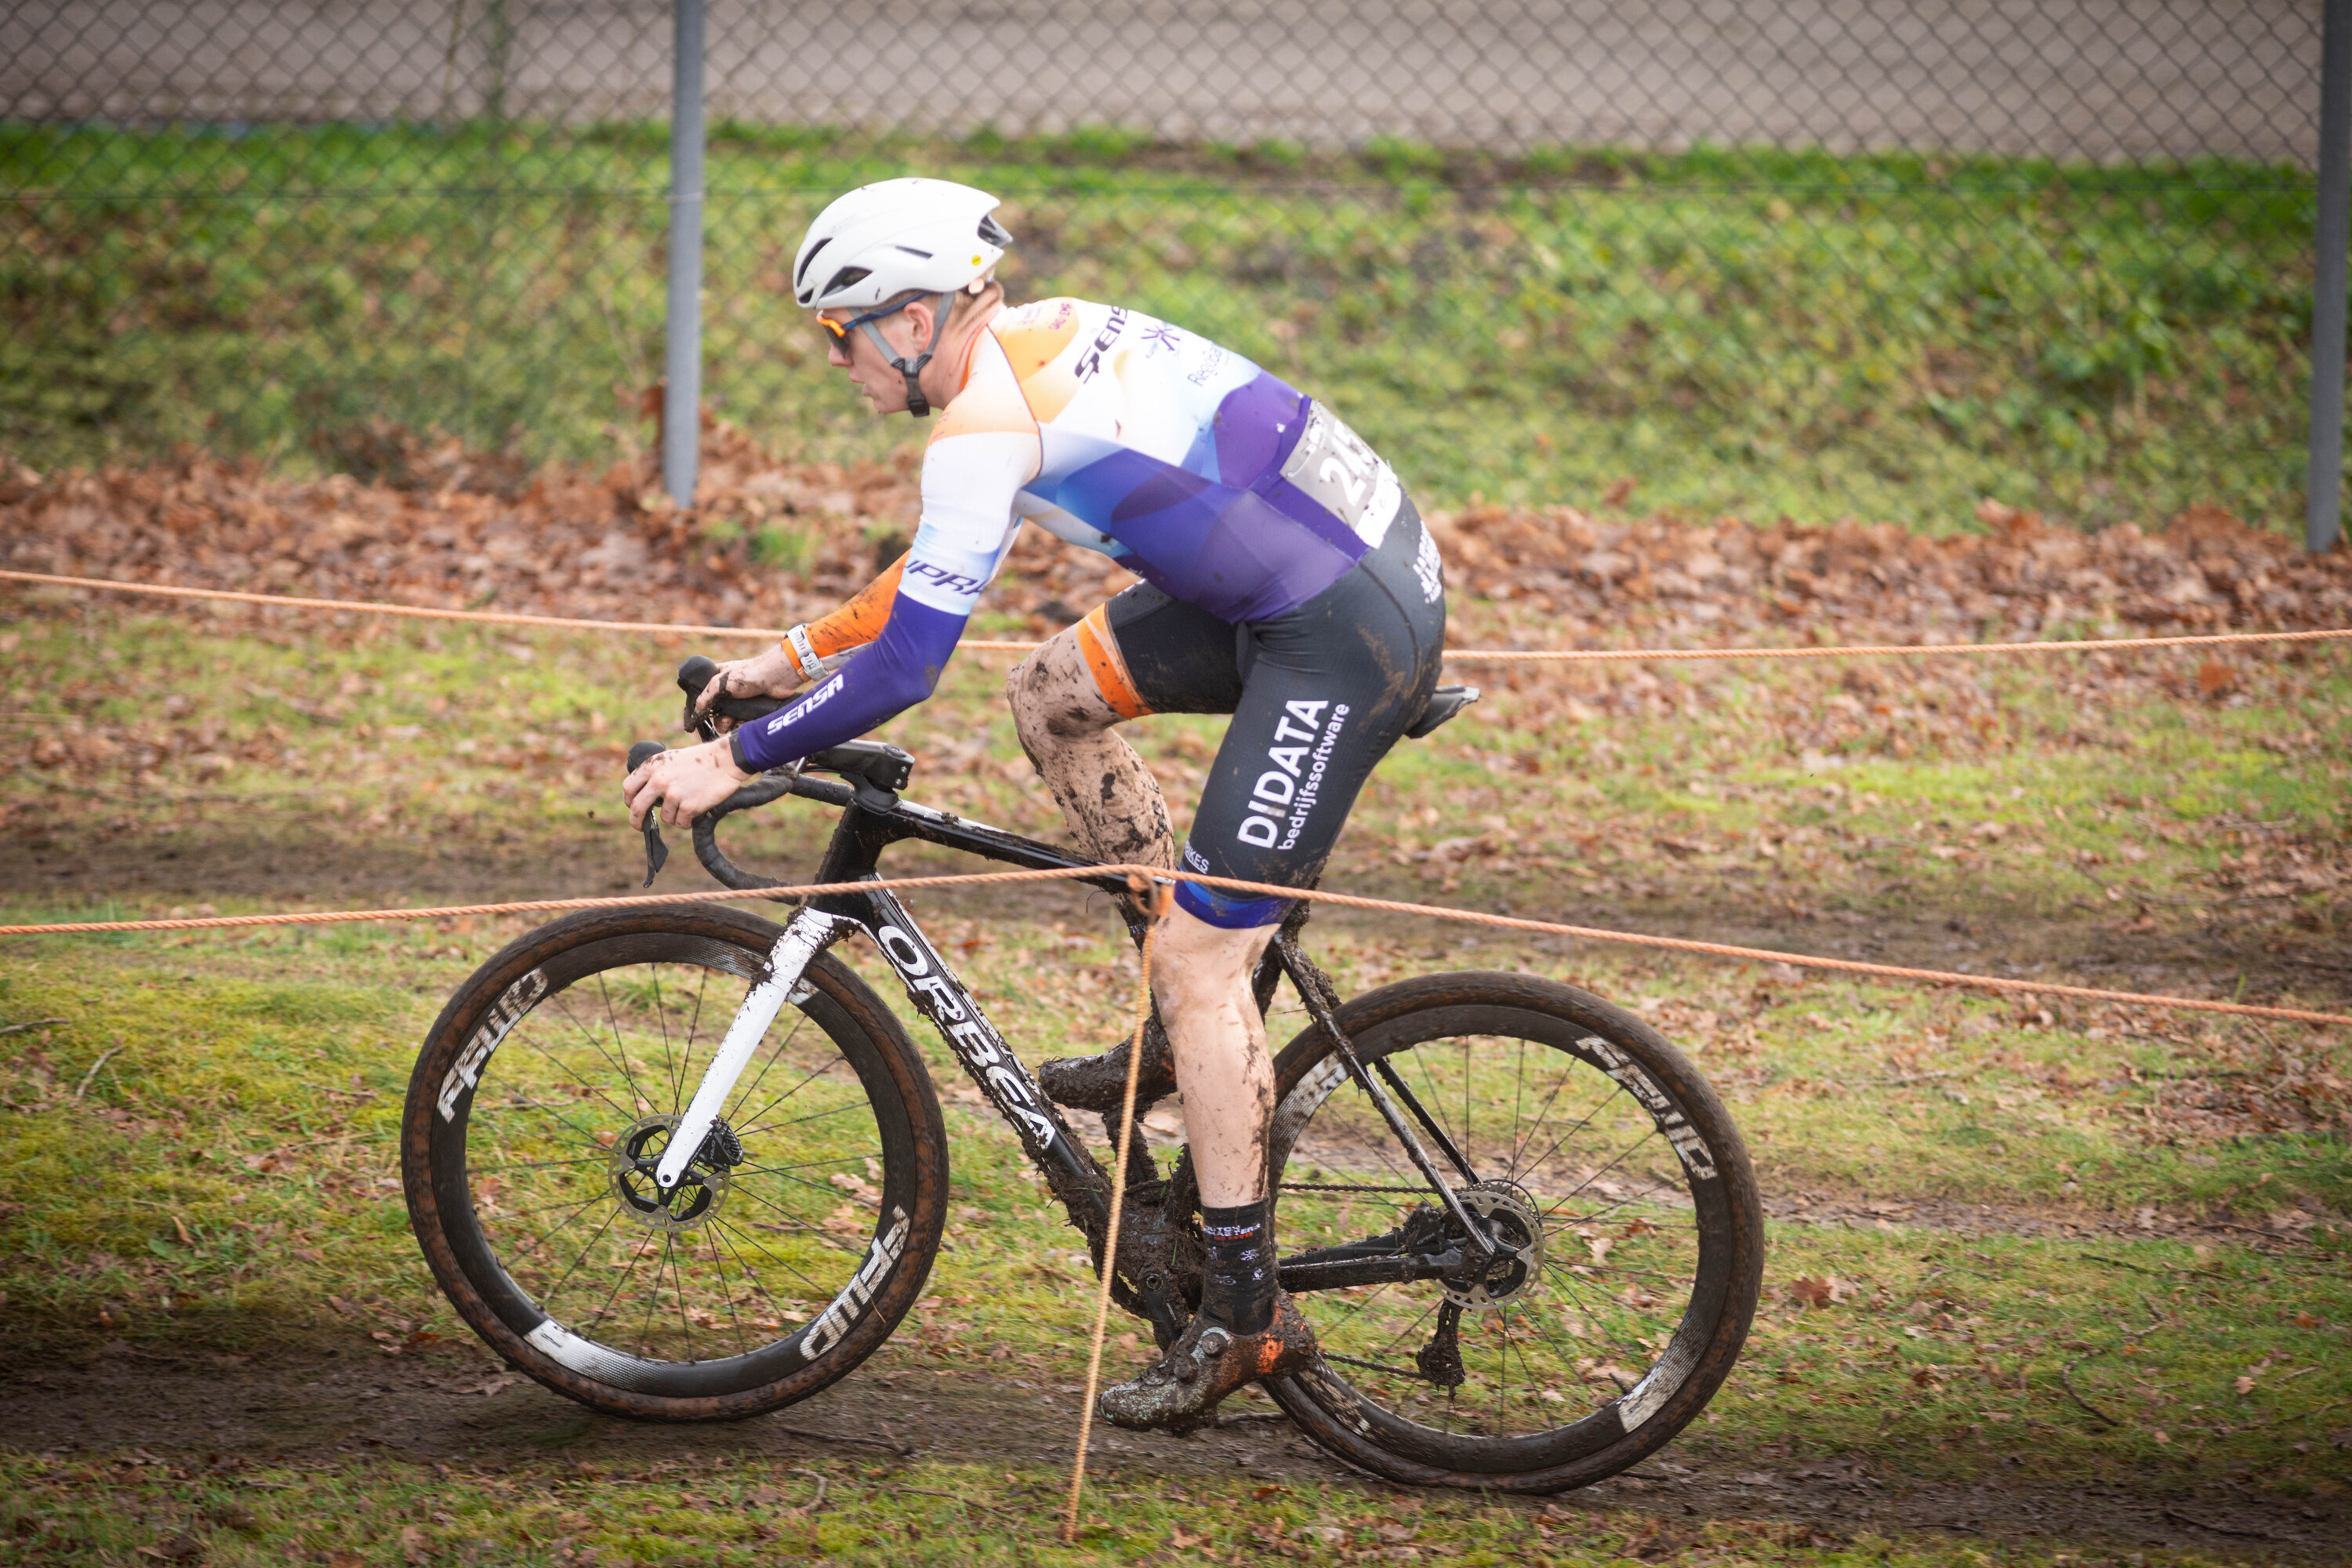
(860, 621)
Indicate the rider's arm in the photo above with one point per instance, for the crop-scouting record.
(820, 647)
(985, 451)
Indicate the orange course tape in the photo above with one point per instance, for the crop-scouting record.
(989, 645)
(1320, 895)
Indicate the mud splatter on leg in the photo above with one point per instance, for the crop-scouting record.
(1201, 978)
(1111, 801)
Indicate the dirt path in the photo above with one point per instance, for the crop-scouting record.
(433, 1411)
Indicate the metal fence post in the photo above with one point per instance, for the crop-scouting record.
(2323, 511)
(682, 349)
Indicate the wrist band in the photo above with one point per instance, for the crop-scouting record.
(804, 653)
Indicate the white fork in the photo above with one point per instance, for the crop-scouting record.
(805, 935)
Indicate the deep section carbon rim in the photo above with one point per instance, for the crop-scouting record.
(792, 1213)
(1618, 1195)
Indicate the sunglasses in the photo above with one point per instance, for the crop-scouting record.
(837, 333)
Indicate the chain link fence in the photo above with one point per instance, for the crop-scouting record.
(1867, 257)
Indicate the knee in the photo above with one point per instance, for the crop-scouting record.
(1196, 966)
(1052, 697)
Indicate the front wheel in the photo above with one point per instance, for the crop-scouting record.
(541, 1101)
(1602, 1165)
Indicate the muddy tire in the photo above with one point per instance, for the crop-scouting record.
(787, 1256)
(1608, 1162)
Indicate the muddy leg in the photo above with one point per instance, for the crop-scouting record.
(1200, 977)
(1108, 798)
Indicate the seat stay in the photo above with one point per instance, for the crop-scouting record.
(1322, 1004)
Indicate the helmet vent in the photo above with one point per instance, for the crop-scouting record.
(802, 276)
(845, 276)
(993, 232)
(910, 250)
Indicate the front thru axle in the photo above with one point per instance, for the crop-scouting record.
(696, 1198)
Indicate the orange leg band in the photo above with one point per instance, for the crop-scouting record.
(1104, 663)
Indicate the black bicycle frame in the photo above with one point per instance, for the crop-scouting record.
(872, 819)
(865, 830)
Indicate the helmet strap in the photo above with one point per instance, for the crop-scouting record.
(912, 369)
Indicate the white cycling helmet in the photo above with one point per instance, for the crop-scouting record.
(883, 239)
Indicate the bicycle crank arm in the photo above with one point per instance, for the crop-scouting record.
(806, 934)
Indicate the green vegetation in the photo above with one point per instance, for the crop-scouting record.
(1989, 1212)
(205, 1166)
(1890, 336)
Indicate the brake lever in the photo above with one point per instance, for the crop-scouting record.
(657, 852)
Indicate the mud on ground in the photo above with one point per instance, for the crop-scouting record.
(456, 1411)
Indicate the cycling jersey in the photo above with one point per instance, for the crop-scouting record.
(1206, 475)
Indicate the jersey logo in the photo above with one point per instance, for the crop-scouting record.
(1429, 567)
(1091, 360)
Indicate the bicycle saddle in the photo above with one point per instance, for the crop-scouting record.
(1443, 703)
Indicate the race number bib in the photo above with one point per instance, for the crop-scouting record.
(1335, 471)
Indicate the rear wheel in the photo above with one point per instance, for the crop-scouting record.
(1602, 1161)
(545, 1094)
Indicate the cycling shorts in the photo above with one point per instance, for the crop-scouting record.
(1318, 693)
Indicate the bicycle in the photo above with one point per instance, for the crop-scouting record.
(1525, 1231)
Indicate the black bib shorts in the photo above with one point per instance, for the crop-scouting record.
(1317, 695)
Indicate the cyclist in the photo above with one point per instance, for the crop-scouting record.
(1287, 581)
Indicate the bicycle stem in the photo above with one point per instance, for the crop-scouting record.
(806, 934)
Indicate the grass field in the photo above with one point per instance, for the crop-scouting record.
(1889, 337)
(2042, 1277)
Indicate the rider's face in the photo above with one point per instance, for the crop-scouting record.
(905, 330)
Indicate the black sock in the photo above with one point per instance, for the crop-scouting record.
(1237, 1290)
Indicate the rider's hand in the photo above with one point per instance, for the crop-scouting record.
(683, 783)
(774, 673)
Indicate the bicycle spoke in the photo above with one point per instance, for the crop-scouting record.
(749, 1273)
(556, 1291)
(1521, 1148)
(534, 1164)
(803, 1165)
(653, 1299)
(563, 1004)
(1584, 1122)
(1604, 1170)
(619, 1044)
(539, 1240)
(523, 1033)
(822, 1234)
(746, 1131)
(661, 1017)
(622, 1044)
(727, 1296)
(677, 1276)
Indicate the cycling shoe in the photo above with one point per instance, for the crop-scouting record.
(1181, 1391)
(1097, 1083)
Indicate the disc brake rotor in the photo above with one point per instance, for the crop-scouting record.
(701, 1192)
(1512, 1218)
